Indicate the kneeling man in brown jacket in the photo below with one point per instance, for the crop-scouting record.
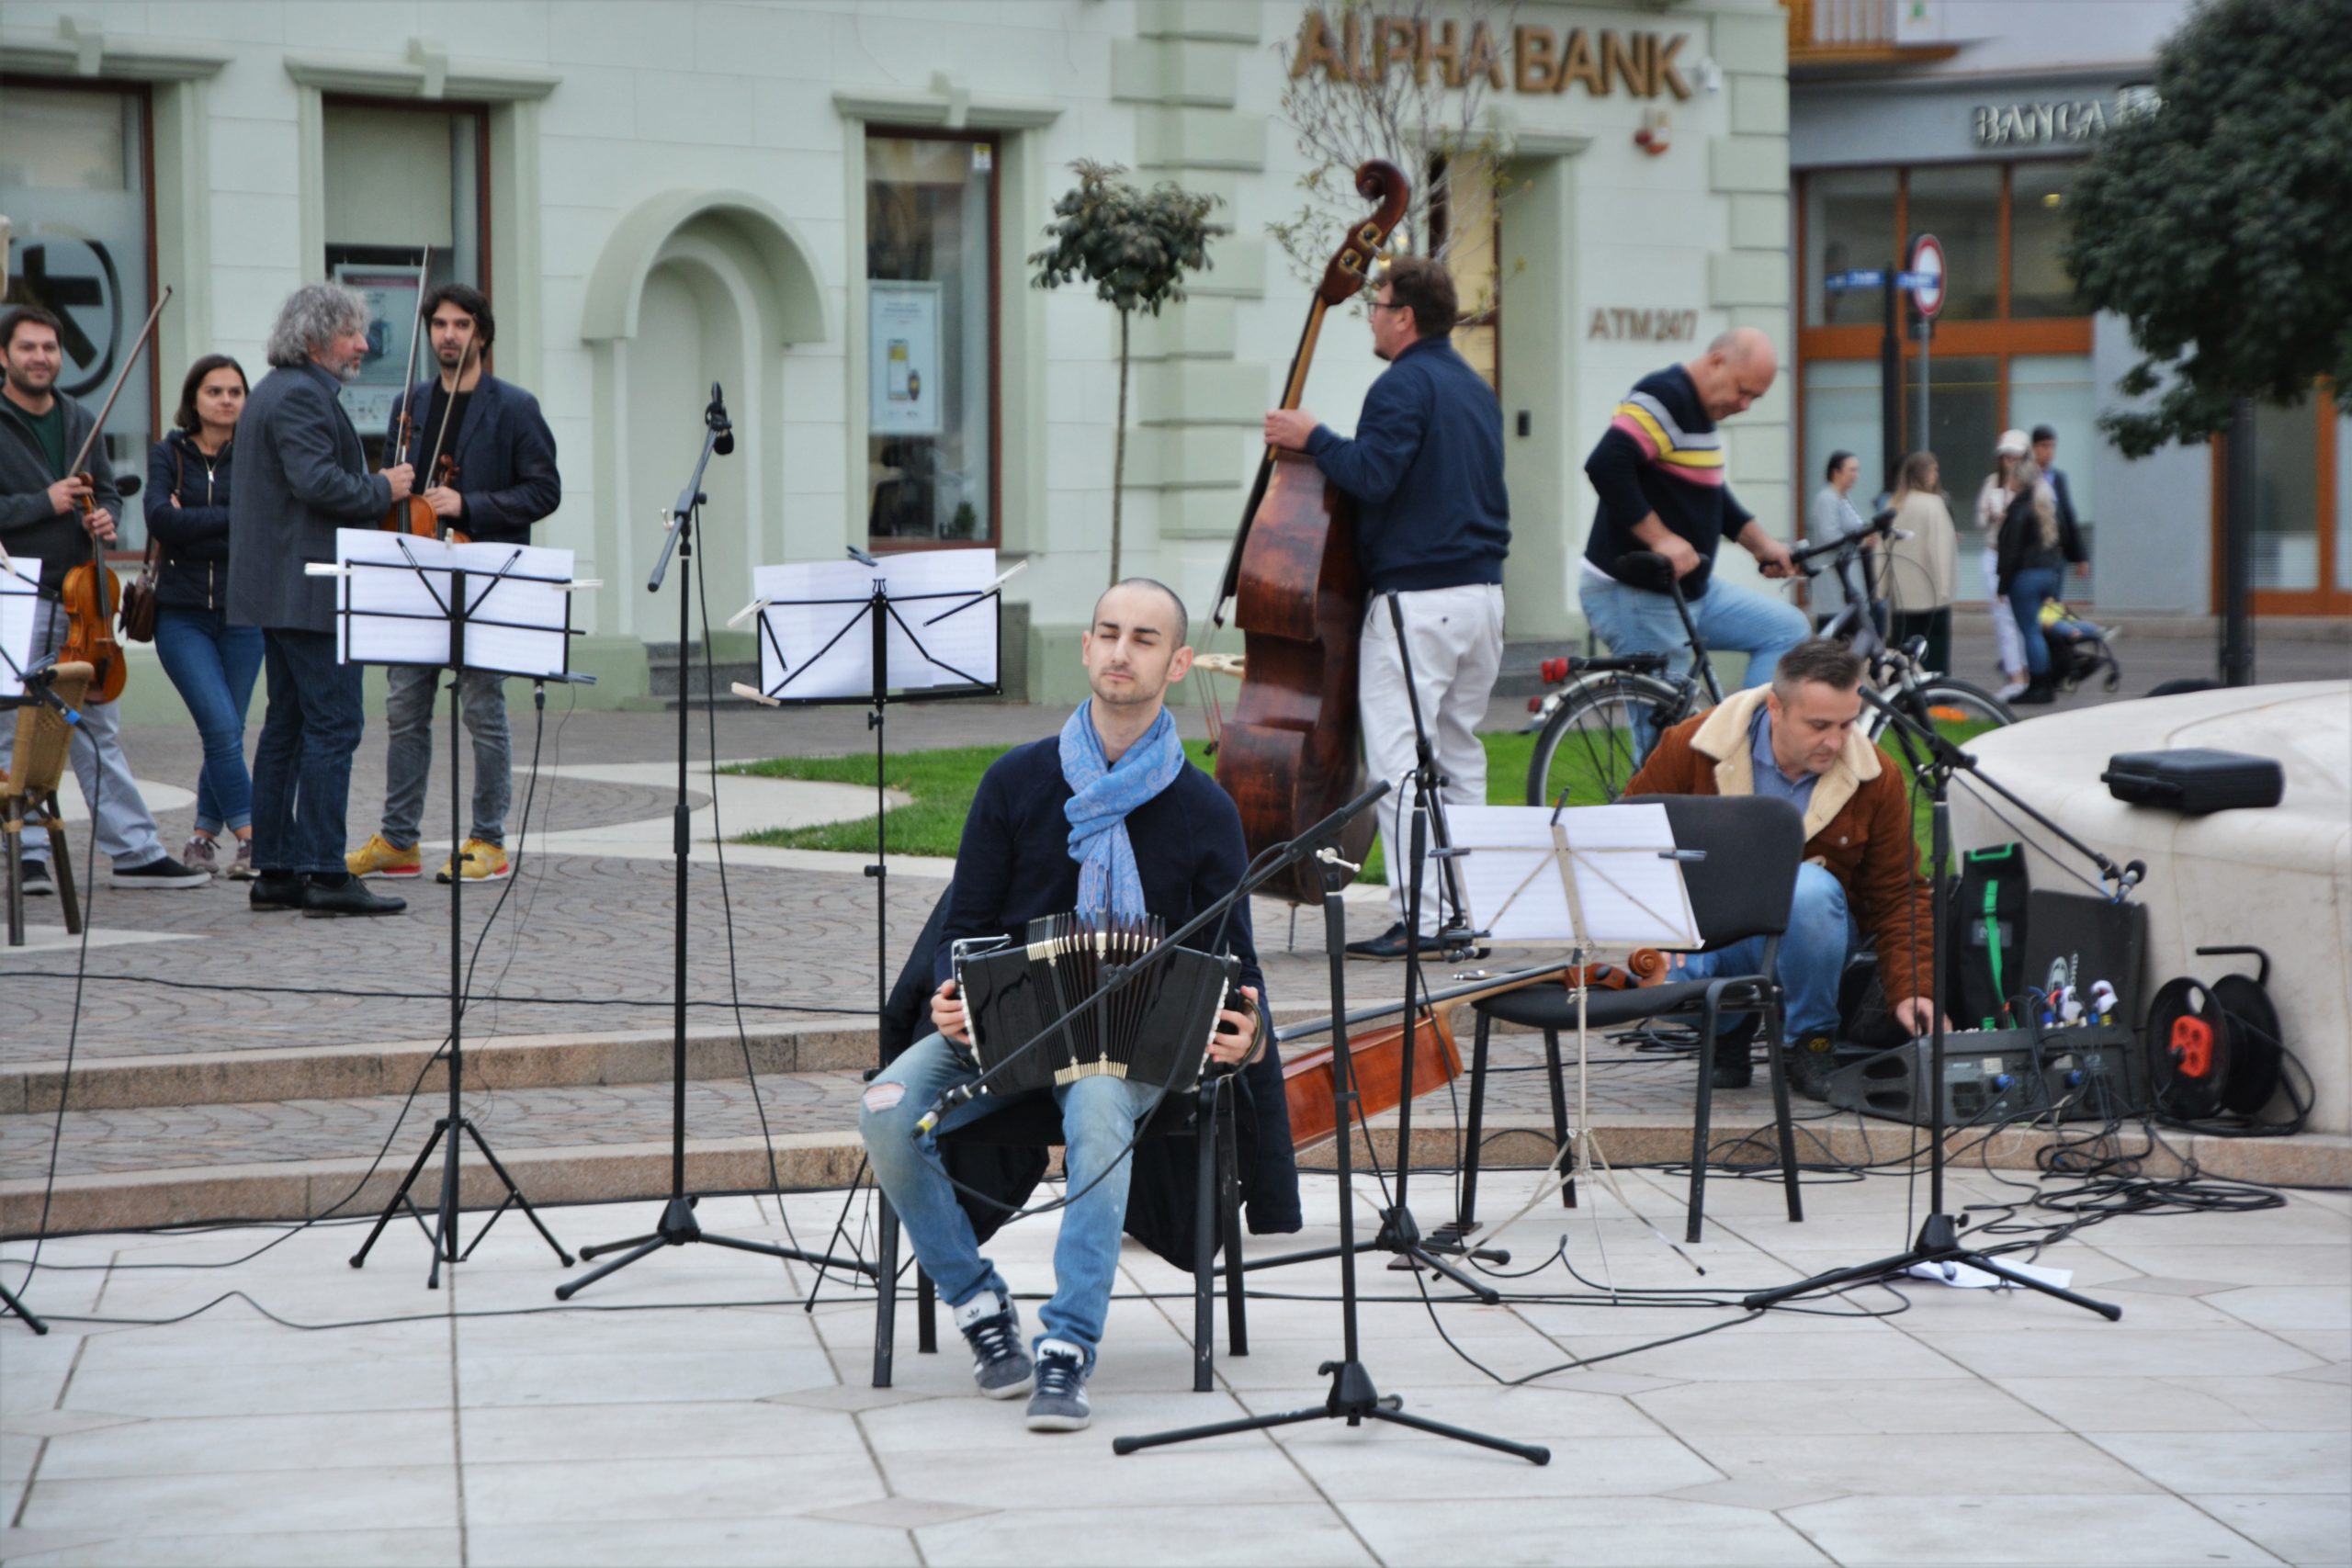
(1799, 739)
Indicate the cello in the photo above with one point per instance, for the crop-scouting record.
(411, 513)
(90, 592)
(1291, 754)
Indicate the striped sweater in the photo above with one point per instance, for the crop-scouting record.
(1661, 454)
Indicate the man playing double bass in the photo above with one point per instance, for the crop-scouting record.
(1432, 527)
(502, 479)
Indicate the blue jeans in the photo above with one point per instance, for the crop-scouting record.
(213, 664)
(1099, 1118)
(1638, 620)
(1820, 938)
(408, 762)
(2028, 588)
(303, 764)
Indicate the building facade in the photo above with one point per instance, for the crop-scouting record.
(1968, 119)
(827, 208)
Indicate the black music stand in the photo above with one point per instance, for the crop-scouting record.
(452, 597)
(807, 659)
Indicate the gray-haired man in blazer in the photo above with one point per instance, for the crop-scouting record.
(301, 474)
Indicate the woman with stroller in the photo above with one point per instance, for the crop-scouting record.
(2030, 567)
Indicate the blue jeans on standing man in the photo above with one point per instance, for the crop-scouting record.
(1099, 1119)
(303, 764)
(1821, 937)
(1642, 620)
(2028, 588)
(213, 664)
(408, 763)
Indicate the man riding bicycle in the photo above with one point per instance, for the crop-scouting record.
(1659, 473)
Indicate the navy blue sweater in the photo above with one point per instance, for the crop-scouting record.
(1426, 470)
(1015, 865)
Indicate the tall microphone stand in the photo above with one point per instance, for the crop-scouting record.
(1354, 1396)
(1940, 1242)
(678, 1225)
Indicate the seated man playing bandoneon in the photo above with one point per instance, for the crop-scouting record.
(1799, 739)
(1107, 818)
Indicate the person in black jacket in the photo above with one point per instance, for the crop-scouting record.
(499, 479)
(213, 663)
(2037, 541)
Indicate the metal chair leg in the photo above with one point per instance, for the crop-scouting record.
(1702, 1121)
(926, 1313)
(1559, 1109)
(886, 1290)
(1467, 1219)
(1237, 1303)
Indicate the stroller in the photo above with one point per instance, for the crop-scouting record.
(2079, 649)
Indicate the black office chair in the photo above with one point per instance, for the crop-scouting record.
(1742, 888)
(1005, 1154)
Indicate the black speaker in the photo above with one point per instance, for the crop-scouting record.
(1991, 1077)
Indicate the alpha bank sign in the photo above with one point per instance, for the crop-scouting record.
(2064, 123)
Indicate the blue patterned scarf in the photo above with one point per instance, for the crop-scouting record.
(1104, 795)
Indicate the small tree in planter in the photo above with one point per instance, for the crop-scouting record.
(1134, 247)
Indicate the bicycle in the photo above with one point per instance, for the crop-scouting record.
(1597, 728)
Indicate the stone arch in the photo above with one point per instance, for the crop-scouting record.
(692, 288)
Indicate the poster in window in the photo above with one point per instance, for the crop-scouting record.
(904, 385)
(391, 316)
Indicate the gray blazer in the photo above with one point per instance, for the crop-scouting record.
(301, 474)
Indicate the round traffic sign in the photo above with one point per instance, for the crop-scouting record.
(1928, 265)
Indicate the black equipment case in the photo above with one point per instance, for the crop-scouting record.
(2193, 780)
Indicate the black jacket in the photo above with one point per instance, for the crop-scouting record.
(505, 454)
(192, 537)
(304, 475)
(27, 526)
(2020, 544)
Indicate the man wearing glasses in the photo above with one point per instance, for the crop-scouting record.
(1432, 527)
(1659, 472)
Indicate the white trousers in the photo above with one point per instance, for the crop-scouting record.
(2006, 637)
(1453, 639)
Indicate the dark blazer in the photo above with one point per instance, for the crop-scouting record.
(192, 538)
(302, 474)
(2070, 537)
(505, 454)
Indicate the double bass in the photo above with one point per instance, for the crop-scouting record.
(90, 592)
(1290, 754)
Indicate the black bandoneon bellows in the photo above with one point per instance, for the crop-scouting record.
(1154, 1028)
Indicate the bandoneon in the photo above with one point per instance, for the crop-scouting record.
(1154, 1028)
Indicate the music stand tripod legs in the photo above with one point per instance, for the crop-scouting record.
(1938, 1242)
(1353, 1397)
(443, 1232)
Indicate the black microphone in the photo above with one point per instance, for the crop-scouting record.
(714, 417)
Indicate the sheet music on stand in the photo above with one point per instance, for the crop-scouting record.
(393, 604)
(19, 608)
(941, 634)
(1592, 879)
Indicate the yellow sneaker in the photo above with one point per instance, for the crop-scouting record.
(485, 861)
(380, 857)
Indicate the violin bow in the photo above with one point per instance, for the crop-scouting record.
(408, 380)
(99, 425)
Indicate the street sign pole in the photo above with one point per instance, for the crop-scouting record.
(1890, 382)
(1927, 331)
(1926, 282)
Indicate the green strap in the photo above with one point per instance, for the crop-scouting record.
(1993, 944)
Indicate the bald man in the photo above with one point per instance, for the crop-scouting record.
(1659, 473)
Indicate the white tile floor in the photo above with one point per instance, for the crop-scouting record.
(690, 1411)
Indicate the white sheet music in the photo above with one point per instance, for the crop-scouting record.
(1511, 879)
(816, 641)
(517, 610)
(19, 601)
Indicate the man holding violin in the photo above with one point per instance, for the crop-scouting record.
(43, 516)
(487, 459)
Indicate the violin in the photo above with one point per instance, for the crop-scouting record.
(445, 476)
(91, 591)
(412, 513)
(1291, 754)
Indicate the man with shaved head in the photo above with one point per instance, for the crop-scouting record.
(1659, 473)
(1108, 817)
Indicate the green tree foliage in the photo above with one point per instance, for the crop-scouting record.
(2217, 221)
(1134, 247)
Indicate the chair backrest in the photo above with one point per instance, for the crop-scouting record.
(44, 739)
(1753, 846)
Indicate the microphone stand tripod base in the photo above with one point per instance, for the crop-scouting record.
(1353, 1399)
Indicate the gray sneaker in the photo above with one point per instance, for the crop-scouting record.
(242, 868)
(201, 854)
(992, 1326)
(1060, 1403)
(33, 876)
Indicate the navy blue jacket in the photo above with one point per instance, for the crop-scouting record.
(506, 472)
(192, 538)
(1426, 470)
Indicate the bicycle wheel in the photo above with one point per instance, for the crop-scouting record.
(1597, 739)
(1960, 711)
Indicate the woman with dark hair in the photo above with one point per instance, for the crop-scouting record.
(211, 662)
(1832, 516)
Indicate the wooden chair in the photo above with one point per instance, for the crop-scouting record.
(28, 797)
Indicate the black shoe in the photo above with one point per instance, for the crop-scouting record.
(162, 872)
(32, 875)
(275, 890)
(1733, 1068)
(1810, 1063)
(1390, 943)
(2039, 693)
(350, 897)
